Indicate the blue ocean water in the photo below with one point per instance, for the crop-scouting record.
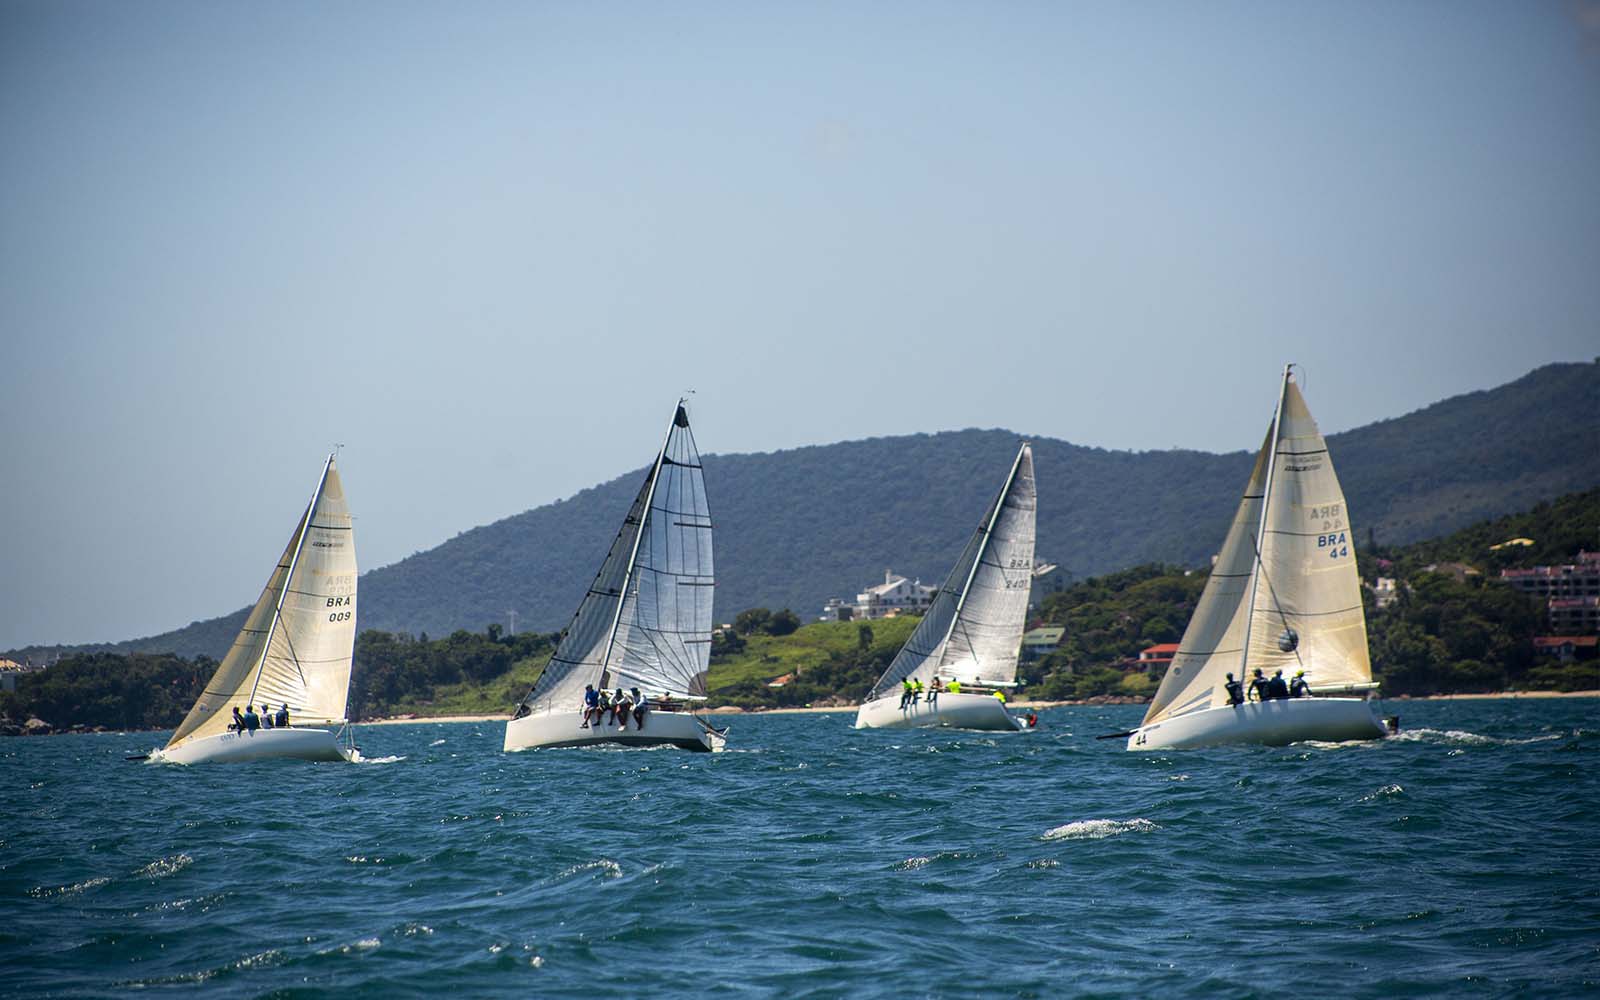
(1461, 859)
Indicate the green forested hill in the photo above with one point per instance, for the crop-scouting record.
(796, 527)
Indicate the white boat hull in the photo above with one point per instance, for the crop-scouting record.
(565, 729)
(951, 711)
(1273, 723)
(263, 744)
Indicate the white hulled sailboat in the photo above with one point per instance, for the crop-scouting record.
(645, 622)
(294, 649)
(1284, 595)
(973, 628)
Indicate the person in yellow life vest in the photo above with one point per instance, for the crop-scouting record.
(916, 691)
(1001, 695)
(907, 692)
(954, 687)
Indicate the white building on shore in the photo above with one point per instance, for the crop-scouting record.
(896, 595)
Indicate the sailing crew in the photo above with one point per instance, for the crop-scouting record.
(252, 721)
(1000, 695)
(621, 707)
(933, 690)
(238, 721)
(591, 705)
(954, 687)
(907, 692)
(1278, 687)
(266, 717)
(916, 690)
(1298, 688)
(282, 721)
(640, 705)
(602, 706)
(1258, 687)
(1235, 691)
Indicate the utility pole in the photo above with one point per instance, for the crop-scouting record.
(513, 613)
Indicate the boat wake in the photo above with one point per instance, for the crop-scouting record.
(1460, 737)
(1099, 829)
(382, 760)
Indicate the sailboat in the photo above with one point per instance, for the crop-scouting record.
(645, 622)
(973, 628)
(1284, 595)
(294, 649)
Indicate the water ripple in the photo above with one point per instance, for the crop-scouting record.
(818, 861)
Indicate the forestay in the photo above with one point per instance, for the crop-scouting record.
(973, 628)
(646, 620)
(296, 644)
(1306, 614)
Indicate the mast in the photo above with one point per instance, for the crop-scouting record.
(633, 553)
(277, 609)
(988, 532)
(1261, 526)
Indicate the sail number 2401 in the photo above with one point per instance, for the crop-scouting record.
(1337, 544)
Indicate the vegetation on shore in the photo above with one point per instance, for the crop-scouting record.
(1447, 632)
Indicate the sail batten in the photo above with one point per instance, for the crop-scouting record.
(972, 629)
(1299, 579)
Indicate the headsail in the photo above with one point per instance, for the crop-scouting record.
(1307, 612)
(974, 626)
(296, 643)
(646, 620)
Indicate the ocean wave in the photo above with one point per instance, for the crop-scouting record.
(162, 867)
(605, 866)
(1463, 738)
(1386, 792)
(45, 892)
(1099, 829)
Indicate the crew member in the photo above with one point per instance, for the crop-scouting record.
(1258, 687)
(1298, 688)
(1278, 687)
(1235, 691)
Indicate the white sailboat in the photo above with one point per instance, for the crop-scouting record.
(294, 649)
(645, 622)
(1284, 595)
(973, 628)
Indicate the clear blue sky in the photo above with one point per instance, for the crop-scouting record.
(486, 245)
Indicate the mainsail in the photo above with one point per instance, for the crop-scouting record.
(646, 620)
(297, 641)
(1305, 612)
(974, 625)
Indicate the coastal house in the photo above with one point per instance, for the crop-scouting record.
(894, 596)
(1040, 642)
(1048, 578)
(1571, 592)
(1157, 657)
(1566, 648)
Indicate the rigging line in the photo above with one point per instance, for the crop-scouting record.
(1283, 616)
(277, 610)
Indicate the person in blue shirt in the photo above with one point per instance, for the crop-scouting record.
(252, 721)
(591, 705)
(282, 721)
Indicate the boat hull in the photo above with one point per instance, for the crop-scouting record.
(263, 744)
(951, 711)
(564, 729)
(1273, 723)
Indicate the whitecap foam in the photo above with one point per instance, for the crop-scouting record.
(45, 892)
(1099, 829)
(1461, 736)
(436, 743)
(162, 867)
(607, 867)
(1386, 792)
(381, 760)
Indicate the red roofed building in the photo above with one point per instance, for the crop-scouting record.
(1158, 656)
(1567, 647)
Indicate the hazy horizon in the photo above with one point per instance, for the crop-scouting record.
(486, 246)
